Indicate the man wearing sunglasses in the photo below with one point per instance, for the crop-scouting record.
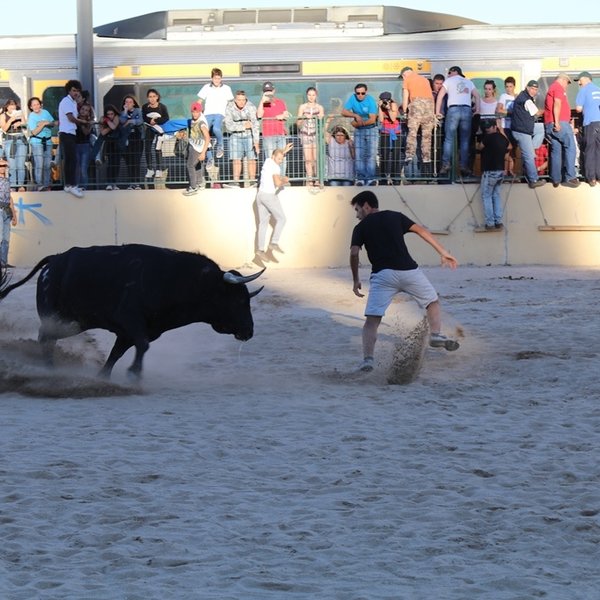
(363, 110)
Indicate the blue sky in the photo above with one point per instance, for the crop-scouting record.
(43, 16)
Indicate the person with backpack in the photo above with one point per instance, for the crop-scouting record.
(198, 143)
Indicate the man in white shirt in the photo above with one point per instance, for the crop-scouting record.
(67, 127)
(215, 96)
(461, 93)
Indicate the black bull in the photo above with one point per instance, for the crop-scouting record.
(137, 292)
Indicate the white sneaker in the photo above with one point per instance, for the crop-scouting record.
(158, 174)
(437, 340)
(149, 174)
(191, 191)
(367, 365)
(108, 187)
(75, 191)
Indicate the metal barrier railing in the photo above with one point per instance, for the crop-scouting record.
(324, 156)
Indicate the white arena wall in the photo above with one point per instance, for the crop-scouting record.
(546, 226)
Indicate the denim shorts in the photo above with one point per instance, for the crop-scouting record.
(384, 285)
(240, 146)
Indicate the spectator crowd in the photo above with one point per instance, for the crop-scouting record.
(441, 129)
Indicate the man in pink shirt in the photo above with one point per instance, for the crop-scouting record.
(557, 123)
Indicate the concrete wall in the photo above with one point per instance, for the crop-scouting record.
(222, 224)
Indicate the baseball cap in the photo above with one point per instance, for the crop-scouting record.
(563, 75)
(532, 83)
(196, 106)
(268, 86)
(404, 71)
(385, 96)
(456, 69)
(583, 74)
(488, 123)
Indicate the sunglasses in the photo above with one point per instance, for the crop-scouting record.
(361, 93)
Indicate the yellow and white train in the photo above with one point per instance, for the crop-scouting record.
(329, 48)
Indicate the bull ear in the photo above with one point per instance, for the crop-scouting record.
(256, 292)
(229, 277)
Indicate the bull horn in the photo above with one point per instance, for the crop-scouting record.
(230, 277)
(256, 292)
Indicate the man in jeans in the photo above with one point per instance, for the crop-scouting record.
(215, 96)
(557, 122)
(494, 147)
(363, 111)
(523, 130)
(588, 102)
(68, 114)
(461, 93)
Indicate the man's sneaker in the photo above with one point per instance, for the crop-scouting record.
(233, 184)
(572, 183)
(74, 190)
(437, 340)
(109, 187)
(191, 191)
(158, 174)
(276, 248)
(149, 174)
(444, 170)
(220, 153)
(536, 184)
(367, 364)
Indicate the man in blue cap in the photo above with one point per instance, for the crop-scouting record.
(588, 102)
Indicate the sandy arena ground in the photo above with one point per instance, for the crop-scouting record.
(271, 469)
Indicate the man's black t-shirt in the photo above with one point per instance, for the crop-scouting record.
(382, 234)
(495, 146)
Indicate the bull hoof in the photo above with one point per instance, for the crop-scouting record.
(104, 374)
(134, 376)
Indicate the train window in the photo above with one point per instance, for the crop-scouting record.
(268, 69)
(117, 93)
(479, 82)
(546, 82)
(7, 94)
(51, 99)
(275, 16)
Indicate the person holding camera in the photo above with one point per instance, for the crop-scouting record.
(390, 141)
(417, 103)
(274, 114)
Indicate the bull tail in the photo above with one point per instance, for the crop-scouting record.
(6, 289)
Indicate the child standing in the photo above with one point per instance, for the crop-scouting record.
(7, 209)
(494, 148)
(198, 143)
